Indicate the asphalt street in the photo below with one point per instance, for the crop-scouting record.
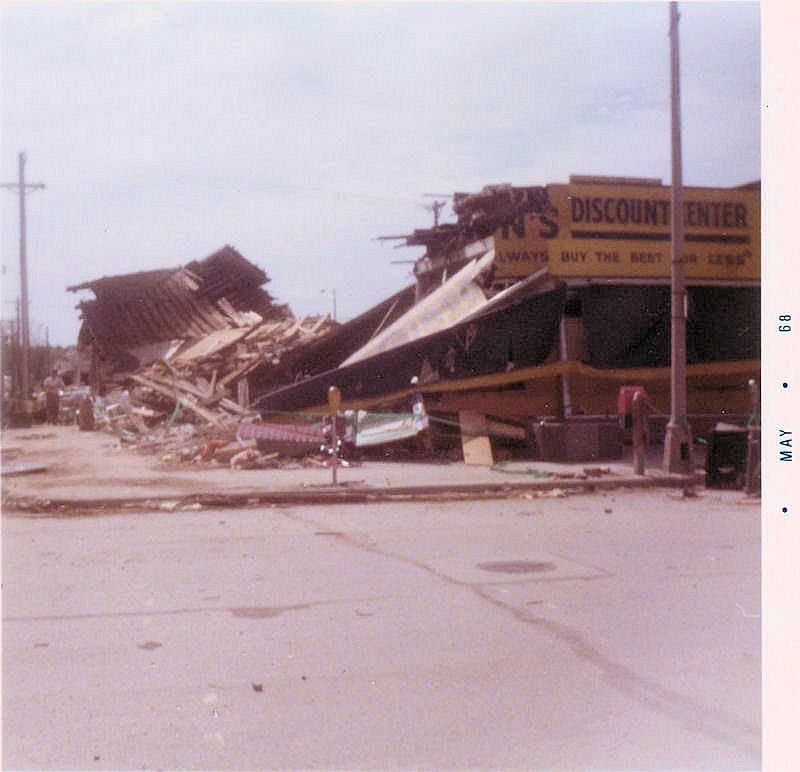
(614, 630)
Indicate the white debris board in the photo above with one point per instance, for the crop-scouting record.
(475, 438)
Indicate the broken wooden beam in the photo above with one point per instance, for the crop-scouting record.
(186, 399)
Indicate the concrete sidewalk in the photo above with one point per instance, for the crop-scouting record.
(60, 468)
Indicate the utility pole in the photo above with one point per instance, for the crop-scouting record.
(677, 443)
(333, 295)
(436, 206)
(17, 352)
(23, 188)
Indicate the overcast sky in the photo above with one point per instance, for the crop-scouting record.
(298, 133)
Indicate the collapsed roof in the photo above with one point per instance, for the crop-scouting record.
(223, 291)
(458, 332)
(191, 335)
(329, 349)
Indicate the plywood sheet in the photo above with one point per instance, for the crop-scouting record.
(475, 438)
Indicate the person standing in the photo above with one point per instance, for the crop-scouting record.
(52, 389)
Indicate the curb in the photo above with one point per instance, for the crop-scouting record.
(332, 495)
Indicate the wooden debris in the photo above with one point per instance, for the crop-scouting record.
(209, 385)
(188, 405)
(184, 397)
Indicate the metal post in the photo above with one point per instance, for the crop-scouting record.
(639, 410)
(753, 467)
(677, 447)
(333, 297)
(566, 398)
(334, 400)
(334, 444)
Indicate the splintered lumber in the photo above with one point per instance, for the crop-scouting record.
(187, 400)
(169, 366)
(227, 452)
(182, 386)
(144, 412)
(138, 422)
(212, 344)
(202, 374)
(234, 407)
(315, 328)
(503, 429)
(240, 371)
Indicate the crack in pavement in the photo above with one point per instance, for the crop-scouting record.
(696, 716)
(246, 612)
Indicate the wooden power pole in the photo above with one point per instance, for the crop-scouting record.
(23, 188)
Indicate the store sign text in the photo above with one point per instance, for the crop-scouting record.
(603, 230)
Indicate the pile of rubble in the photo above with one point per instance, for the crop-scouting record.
(190, 334)
(179, 357)
(179, 436)
(209, 377)
(188, 406)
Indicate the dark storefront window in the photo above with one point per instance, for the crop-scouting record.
(629, 326)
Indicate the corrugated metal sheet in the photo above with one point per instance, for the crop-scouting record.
(519, 336)
(461, 296)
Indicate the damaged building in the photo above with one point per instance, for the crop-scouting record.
(532, 319)
(545, 306)
(190, 333)
(136, 318)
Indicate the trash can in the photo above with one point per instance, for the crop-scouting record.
(726, 465)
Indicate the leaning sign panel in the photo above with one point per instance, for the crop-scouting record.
(622, 230)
